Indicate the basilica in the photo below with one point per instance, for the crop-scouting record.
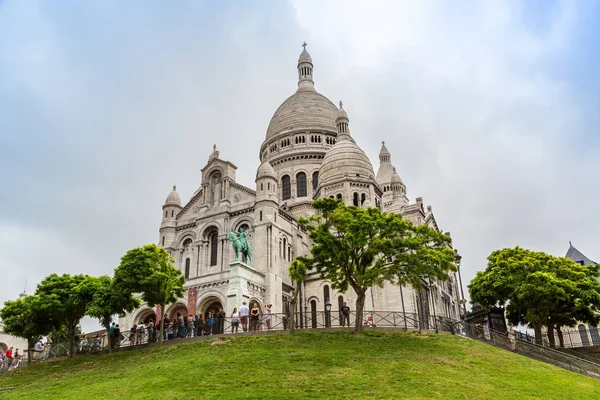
(308, 153)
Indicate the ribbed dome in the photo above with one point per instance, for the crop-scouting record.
(306, 109)
(265, 171)
(173, 198)
(304, 57)
(345, 158)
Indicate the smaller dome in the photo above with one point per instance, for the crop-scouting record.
(265, 171)
(341, 114)
(173, 198)
(304, 57)
(396, 177)
(345, 159)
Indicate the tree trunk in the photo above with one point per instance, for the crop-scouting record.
(537, 328)
(29, 351)
(561, 339)
(360, 305)
(293, 312)
(550, 335)
(109, 338)
(71, 339)
(162, 324)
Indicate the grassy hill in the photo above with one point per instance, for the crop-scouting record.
(339, 365)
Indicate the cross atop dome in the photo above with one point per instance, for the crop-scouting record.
(304, 45)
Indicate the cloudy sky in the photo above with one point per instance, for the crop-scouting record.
(490, 111)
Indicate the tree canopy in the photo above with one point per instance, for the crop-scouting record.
(62, 291)
(362, 248)
(106, 300)
(538, 289)
(149, 270)
(31, 317)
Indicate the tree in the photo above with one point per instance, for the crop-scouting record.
(149, 270)
(362, 248)
(106, 300)
(30, 318)
(71, 303)
(297, 272)
(538, 289)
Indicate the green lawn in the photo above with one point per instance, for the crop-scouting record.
(339, 365)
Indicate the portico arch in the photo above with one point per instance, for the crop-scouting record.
(211, 301)
(144, 315)
(176, 308)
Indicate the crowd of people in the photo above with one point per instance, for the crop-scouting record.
(180, 326)
(11, 359)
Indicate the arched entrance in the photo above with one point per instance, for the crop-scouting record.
(177, 308)
(213, 305)
(145, 316)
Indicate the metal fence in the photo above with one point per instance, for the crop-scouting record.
(525, 346)
(274, 323)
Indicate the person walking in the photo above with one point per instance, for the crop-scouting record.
(244, 316)
(235, 321)
(345, 315)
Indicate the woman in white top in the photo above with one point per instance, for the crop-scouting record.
(235, 321)
(268, 316)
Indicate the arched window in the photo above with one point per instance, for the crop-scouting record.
(187, 269)
(280, 249)
(172, 212)
(166, 214)
(595, 335)
(355, 199)
(339, 196)
(284, 247)
(585, 341)
(261, 215)
(301, 184)
(289, 253)
(214, 247)
(313, 313)
(286, 187)
(261, 186)
(163, 241)
(325, 294)
(363, 198)
(315, 180)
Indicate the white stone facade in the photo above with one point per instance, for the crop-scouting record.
(308, 153)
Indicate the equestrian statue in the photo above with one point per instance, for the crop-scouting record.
(240, 245)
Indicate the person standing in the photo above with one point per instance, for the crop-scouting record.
(254, 318)
(345, 315)
(211, 322)
(244, 316)
(268, 316)
(235, 321)
(512, 337)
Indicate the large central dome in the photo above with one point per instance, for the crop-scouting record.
(305, 109)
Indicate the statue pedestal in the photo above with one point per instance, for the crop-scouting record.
(244, 283)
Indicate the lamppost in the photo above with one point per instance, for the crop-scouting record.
(327, 313)
(463, 301)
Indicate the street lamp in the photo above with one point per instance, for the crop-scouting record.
(463, 301)
(327, 313)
